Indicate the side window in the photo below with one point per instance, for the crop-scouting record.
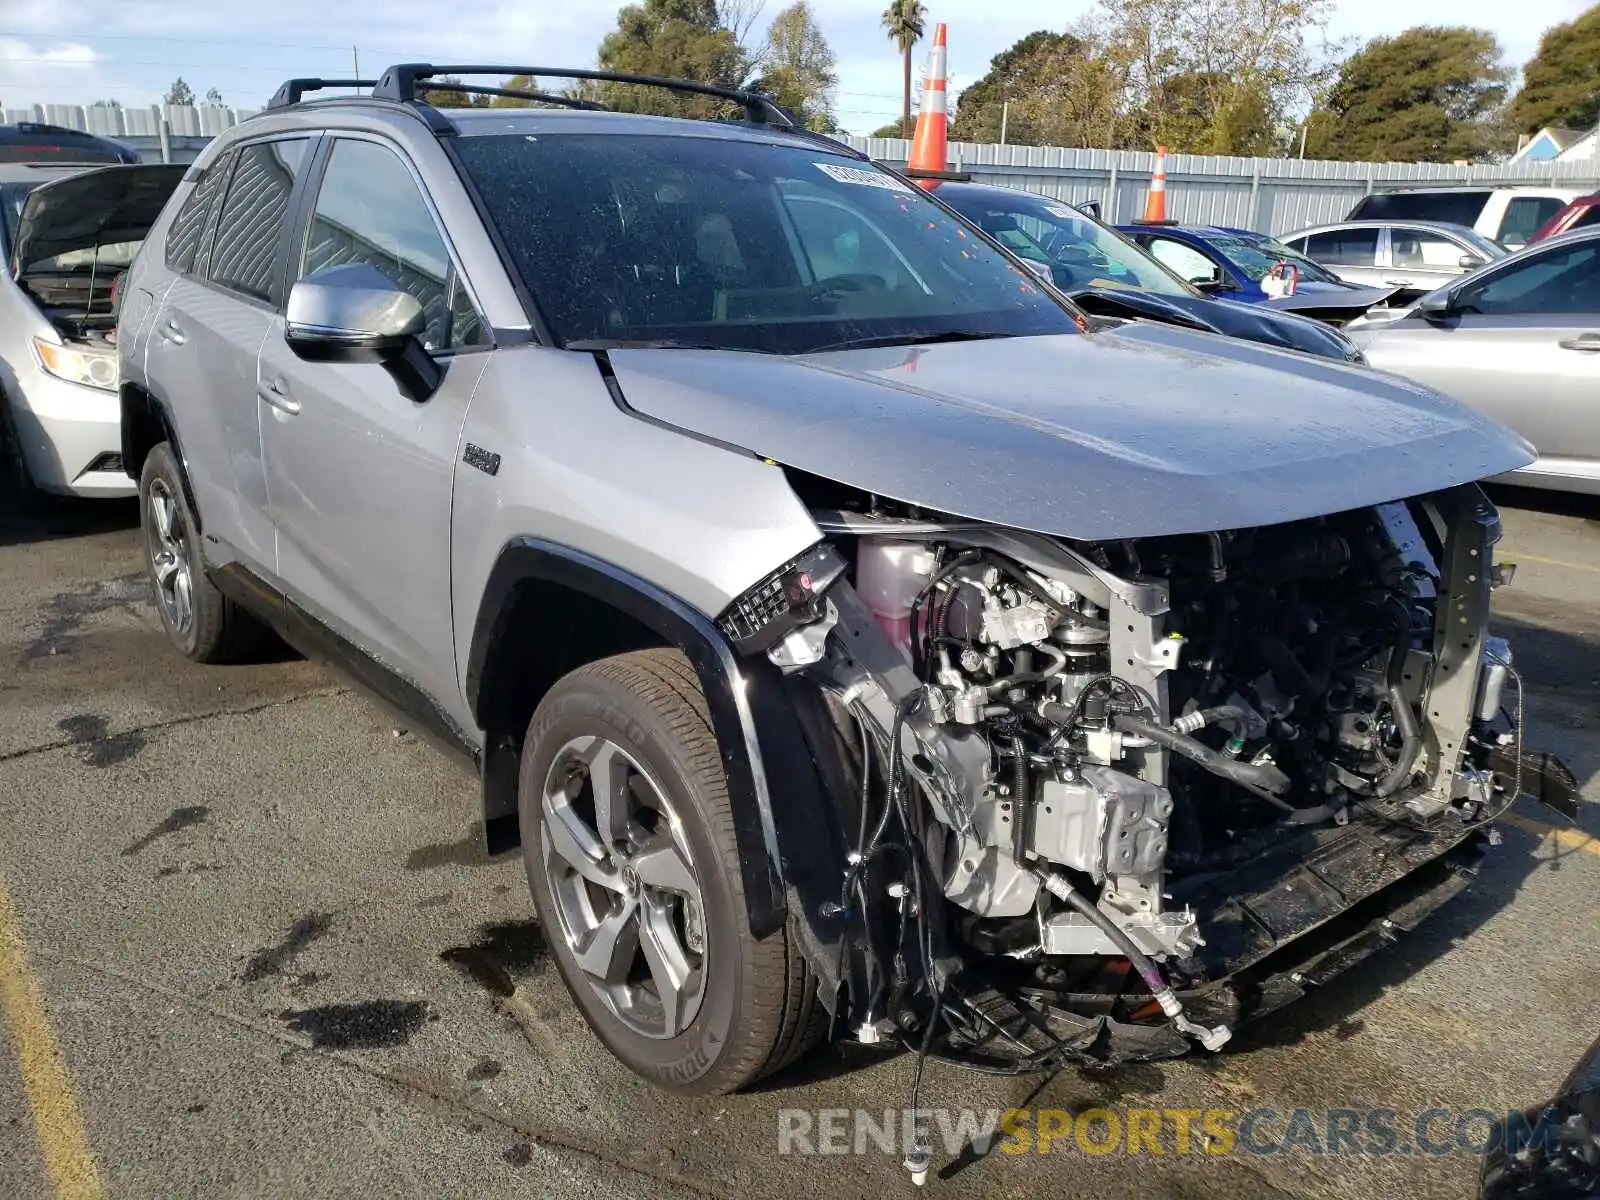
(837, 241)
(1424, 251)
(189, 226)
(1589, 216)
(1188, 262)
(370, 210)
(1523, 217)
(1344, 247)
(1563, 281)
(252, 221)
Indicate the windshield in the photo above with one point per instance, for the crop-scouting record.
(1080, 252)
(1254, 254)
(115, 255)
(741, 245)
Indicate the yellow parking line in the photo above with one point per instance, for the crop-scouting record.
(1553, 562)
(1573, 839)
(44, 1075)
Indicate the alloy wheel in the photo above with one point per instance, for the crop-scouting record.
(169, 556)
(627, 896)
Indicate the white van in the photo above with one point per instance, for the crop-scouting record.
(1509, 215)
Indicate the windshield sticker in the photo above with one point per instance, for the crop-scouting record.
(862, 177)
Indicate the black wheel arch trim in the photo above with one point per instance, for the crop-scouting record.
(773, 781)
(163, 415)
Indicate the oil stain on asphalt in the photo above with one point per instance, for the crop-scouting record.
(88, 732)
(273, 959)
(66, 612)
(367, 1025)
(179, 818)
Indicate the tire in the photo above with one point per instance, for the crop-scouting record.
(27, 498)
(757, 1008)
(204, 625)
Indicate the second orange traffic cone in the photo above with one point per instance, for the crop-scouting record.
(929, 146)
(1155, 204)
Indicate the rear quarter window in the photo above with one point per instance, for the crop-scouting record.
(183, 238)
(1459, 208)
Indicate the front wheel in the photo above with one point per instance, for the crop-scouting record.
(628, 839)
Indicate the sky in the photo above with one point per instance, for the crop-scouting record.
(78, 51)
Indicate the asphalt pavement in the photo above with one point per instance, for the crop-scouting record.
(249, 947)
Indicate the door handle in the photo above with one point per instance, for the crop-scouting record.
(171, 331)
(1588, 343)
(275, 396)
(1397, 283)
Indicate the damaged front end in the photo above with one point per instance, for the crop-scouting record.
(1101, 801)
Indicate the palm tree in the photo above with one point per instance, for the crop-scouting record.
(905, 21)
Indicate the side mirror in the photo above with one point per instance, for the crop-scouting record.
(356, 314)
(1091, 208)
(1468, 261)
(1436, 306)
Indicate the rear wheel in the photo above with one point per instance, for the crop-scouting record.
(201, 622)
(627, 835)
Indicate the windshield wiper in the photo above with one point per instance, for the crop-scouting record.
(654, 344)
(909, 339)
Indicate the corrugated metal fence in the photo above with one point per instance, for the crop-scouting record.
(1274, 194)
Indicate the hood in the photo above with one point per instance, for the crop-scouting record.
(1139, 430)
(1270, 325)
(1255, 322)
(100, 207)
(1343, 299)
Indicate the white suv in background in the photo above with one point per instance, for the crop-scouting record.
(1509, 215)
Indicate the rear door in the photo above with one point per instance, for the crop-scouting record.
(201, 355)
(1525, 349)
(1350, 253)
(360, 475)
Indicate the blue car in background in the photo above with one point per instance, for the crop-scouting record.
(1107, 275)
(1222, 261)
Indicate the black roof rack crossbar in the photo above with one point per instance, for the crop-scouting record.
(293, 90)
(400, 82)
(516, 94)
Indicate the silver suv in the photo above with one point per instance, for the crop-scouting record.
(854, 635)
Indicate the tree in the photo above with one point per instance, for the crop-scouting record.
(892, 130)
(904, 21)
(1430, 94)
(682, 39)
(1561, 83)
(798, 67)
(179, 93)
(1218, 77)
(1050, 89)
(213, 96)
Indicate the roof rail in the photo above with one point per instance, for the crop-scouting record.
(517, 94)
(293, 90)
(400, 82)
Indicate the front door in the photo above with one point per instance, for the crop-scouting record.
(360, 475)
(1524, 348)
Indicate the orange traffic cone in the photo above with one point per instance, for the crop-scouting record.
(928, 145)
(1155, 204)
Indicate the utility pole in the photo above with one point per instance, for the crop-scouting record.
(1303, 128)
(1005, 117)
(355, 63)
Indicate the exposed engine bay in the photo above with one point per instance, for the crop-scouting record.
(1100, 784)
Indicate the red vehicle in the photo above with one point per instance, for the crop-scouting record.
(1585, 210)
